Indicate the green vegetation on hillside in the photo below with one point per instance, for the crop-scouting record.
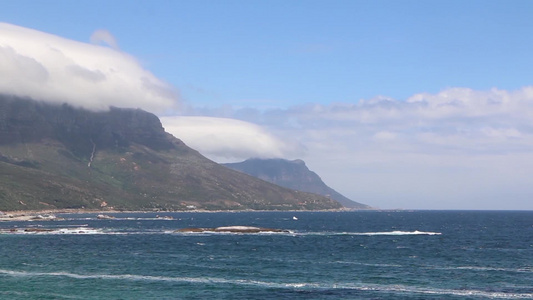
(55, 157)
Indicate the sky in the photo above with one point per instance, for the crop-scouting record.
(395, 104)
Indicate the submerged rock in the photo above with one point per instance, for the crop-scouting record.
(44, 217)
(37, 230)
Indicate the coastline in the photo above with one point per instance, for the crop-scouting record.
(29, 215)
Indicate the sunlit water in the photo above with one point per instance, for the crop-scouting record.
(324, 255)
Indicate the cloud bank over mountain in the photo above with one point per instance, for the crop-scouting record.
(225, 139)
(54, 69)
(47, 67)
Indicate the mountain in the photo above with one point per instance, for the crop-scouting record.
(294, 175)
(59, 156)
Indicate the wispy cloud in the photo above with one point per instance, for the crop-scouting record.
(102, 36)
(455, 120)
(51, 68)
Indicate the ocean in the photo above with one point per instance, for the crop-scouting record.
(321, 255)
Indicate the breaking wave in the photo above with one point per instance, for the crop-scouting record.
(306, 286)
(311, 233)
(395, 233)
(67, 230)
(84, 229)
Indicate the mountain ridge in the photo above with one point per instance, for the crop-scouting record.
(294, 175)
(58, 156)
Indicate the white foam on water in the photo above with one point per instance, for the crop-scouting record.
(379, 233)
(447, 292)
(210, 232)
(416, 232)
(368, 264)
(524, 269)
(302, 233)
(79, 229)
(132, 277)
(84, 229)
(486, 269)
(393, 288)
(52, 231)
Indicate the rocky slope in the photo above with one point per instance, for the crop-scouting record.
(58, 156)
(294, 175)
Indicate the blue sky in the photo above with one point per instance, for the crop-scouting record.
(397, 104)
(280, 53)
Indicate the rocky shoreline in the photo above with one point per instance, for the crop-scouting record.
(42, 215)
(29, 215)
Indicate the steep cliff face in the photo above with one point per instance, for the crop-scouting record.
(26, 121)
(58, 156)
(294, 175)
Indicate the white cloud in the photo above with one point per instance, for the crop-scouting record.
(227, 139)
(459, 148)
(384, 136)
(54, 69)
(105, 37)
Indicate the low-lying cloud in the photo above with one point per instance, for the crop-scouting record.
(51, 68)
(228, 139)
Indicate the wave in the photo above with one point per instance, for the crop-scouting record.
(525, 269)
(311, 286)
(216, 233)
(84, 229)
(113, 218)
(46, 231)
(378, 233)
(416, 232)
(402, 289)
(303, 233)
(486, 269)
(78, 231)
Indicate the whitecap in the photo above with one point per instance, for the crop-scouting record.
(52, 231)
(377, 233)
(447, 292)
(392, 288)
(416, 232)
(486, 269)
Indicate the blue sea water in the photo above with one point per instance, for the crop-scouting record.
(324, 255)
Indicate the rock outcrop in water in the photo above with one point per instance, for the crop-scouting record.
(58, 156)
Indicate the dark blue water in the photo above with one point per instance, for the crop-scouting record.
(326, 255)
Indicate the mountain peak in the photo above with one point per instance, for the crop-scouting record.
(292, 174)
